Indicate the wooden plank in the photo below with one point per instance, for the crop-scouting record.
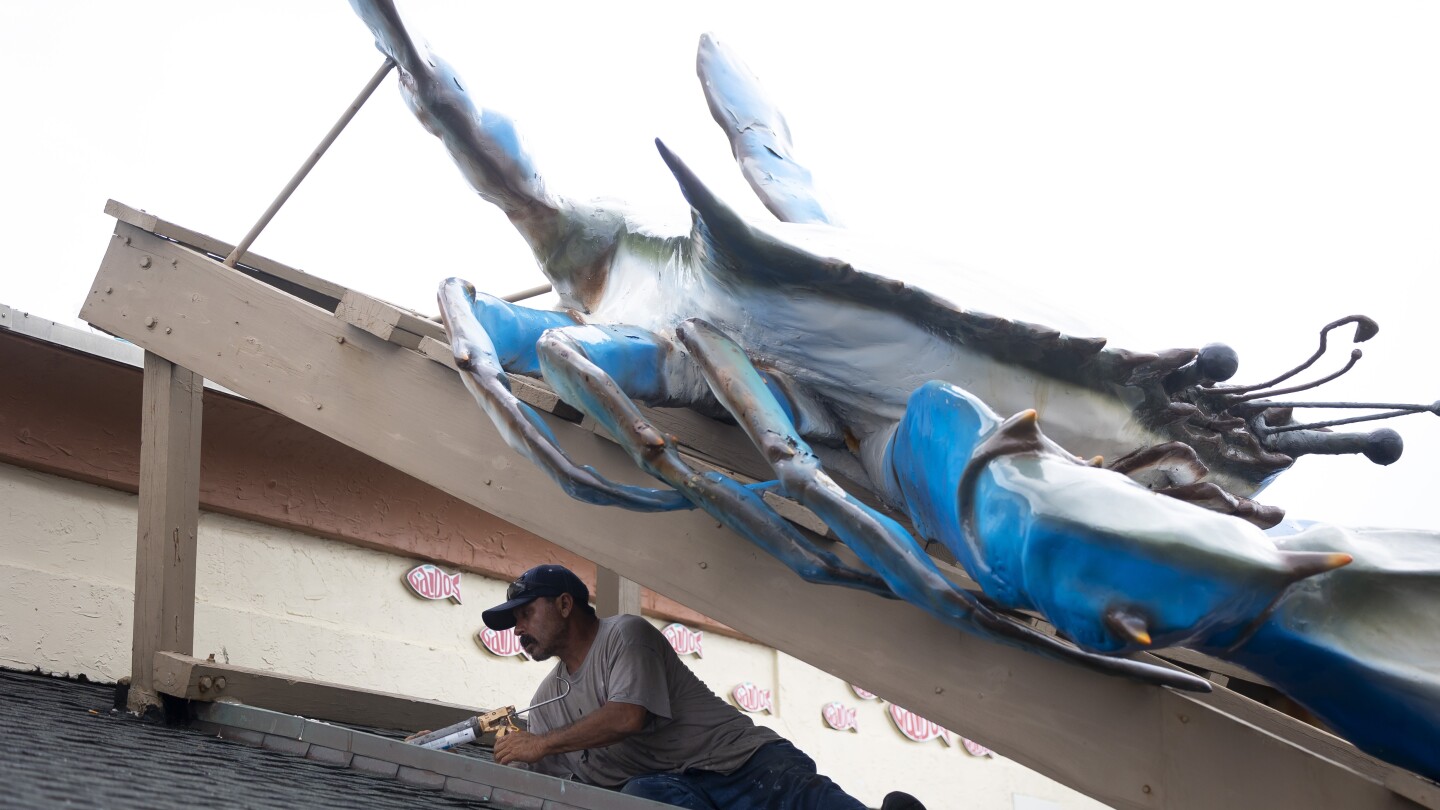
(318, 291)
(615, 594)
(193, 679)
(1104, 736)
(377, 317)
(168, 521)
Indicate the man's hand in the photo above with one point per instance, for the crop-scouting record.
(607, 725)
(520, 746)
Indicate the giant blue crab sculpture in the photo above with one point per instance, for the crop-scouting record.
(814, 356)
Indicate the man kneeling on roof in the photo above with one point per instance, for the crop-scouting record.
(636, 718)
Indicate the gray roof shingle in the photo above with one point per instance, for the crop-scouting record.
(62, 745)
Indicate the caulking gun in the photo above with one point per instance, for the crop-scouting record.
(501, 721)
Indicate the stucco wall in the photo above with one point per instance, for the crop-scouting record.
(280, 600)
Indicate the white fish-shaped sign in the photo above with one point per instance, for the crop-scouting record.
(752, 698)
(684, 640)
(863, 694)
(430, 582)
(916, 727)
(840, 717)
(503, 643)
(975, 749)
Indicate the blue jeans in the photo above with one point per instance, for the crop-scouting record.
(778, 776)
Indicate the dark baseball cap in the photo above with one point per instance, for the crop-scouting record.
(542, 580)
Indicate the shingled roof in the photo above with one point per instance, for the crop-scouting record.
(64, 745)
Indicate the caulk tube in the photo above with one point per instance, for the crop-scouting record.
(450, 736)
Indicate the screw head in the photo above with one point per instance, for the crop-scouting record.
(150, 322)
(144, 261)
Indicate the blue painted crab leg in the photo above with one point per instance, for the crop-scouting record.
(879, 541)
(759, 136)
(484, 143)
(573, 243)
(483, 373)
(577, 362)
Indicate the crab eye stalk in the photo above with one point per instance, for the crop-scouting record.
(1215, 363)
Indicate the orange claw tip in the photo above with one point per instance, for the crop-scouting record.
(1309, 563)
(1128, 626)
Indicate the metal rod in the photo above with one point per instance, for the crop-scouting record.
(558, 697)
(524, 294)
(309, 164)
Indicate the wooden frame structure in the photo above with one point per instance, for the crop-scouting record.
(376, 378)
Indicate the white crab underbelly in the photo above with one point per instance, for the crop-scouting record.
(861, 363)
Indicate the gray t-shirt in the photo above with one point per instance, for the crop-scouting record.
(689, 728)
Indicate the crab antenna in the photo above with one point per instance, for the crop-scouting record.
(1365, 328)
(1295, 389)
(1398, 410)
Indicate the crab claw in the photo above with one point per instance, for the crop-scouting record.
(1112, 565)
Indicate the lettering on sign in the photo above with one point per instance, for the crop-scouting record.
(916, 727)
(752, 698)
(430, 582)
(840, 717)
(975, 749)
(503, 643)
(863, 694)
(683, 639)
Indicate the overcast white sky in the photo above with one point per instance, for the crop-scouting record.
(1170, 174)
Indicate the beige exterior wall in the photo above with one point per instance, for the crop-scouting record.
(288, 602)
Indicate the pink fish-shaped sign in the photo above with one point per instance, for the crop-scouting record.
(432, 583)
(863, 694)
(840, 717)
(752, 698)
(500, 642)
(684, 640)
(975, 749)
(916, 727)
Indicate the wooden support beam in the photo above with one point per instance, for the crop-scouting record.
(1123, 743)
(169, 515)
(193, 679)
(298, 283)
(377, 317)
(615, 594)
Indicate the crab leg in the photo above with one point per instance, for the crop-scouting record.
(879, 541)
(759, 136)
(572, 360)
(479, 358)
(573, 243)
